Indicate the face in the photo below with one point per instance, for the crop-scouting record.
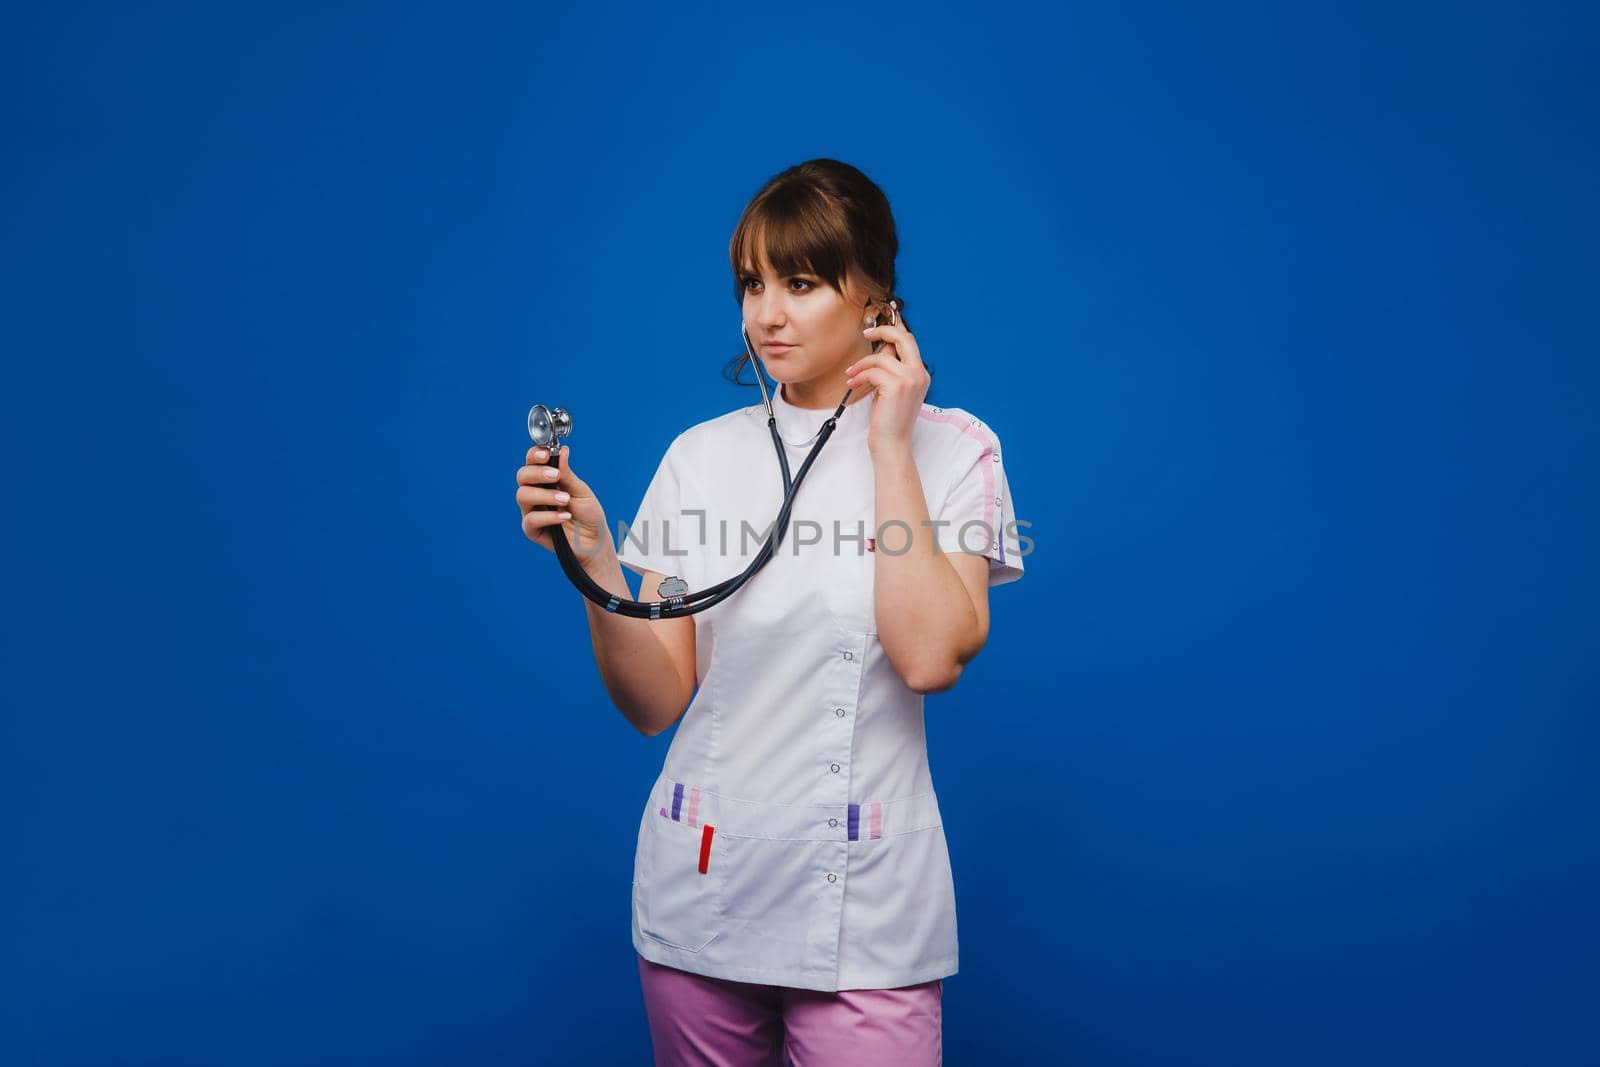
(819, 326)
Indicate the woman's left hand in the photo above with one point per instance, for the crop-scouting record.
(901, 382)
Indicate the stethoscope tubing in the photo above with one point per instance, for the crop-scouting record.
(702, 599)
(686, 604)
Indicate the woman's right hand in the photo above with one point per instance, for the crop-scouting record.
(585, 522)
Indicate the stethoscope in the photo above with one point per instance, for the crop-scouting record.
(548, 425)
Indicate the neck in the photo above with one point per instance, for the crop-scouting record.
(816, 396)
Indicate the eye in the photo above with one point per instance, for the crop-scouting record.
(749, 282)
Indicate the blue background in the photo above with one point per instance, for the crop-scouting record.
(1282, 752)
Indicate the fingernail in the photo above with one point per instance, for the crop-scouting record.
(565, 515)
(539, 453)
(562, 498)
(551, 474)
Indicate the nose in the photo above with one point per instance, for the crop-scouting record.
(769, 310)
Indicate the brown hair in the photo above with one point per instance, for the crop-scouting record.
(819, 217)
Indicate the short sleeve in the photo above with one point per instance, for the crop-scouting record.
(655, 539)
(978, 515)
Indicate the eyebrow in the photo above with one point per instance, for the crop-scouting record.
(747, 273)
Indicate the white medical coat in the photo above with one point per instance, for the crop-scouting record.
(793, 836)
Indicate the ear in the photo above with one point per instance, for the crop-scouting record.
(873, 309)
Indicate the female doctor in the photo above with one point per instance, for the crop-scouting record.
(793, 897)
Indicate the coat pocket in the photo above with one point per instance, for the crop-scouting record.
(849, 583)
(678, 905)
(772, 890)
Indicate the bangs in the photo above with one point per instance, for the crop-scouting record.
(793, 230)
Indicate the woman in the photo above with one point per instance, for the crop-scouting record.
(792, 889)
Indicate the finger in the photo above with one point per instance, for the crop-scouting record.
(539, 456)
(900, 338)
(569, 478)
(887, 332)
(871, 378)
(539, 520)
(538, 476)
(889, 371)
(880, 360)
(903, 374)
(530, 497)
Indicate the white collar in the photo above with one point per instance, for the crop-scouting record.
(799, 426)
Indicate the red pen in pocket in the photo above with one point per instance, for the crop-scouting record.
(705, 846)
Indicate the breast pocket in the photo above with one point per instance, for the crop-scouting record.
(677, 904)
(848, 571)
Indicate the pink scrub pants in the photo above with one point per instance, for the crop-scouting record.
(712, 1022)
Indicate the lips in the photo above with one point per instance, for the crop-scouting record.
(776, 346)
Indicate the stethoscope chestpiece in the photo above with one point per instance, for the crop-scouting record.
(545, 426)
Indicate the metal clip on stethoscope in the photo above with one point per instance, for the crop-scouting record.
(546, 426)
